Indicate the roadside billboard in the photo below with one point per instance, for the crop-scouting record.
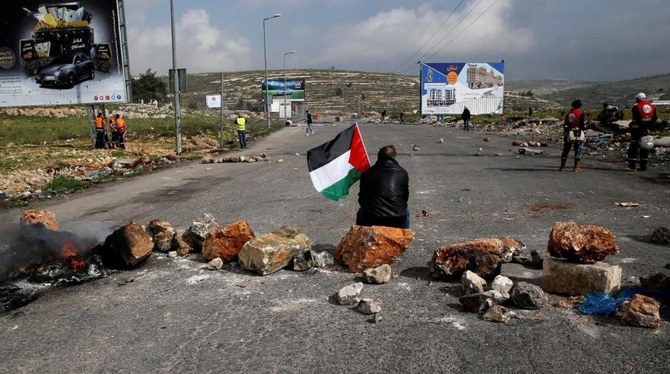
(61, 53)
(447, 88)
(294, 89)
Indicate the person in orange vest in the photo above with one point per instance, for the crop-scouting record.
(100, 132)
(574, 121)
(644, 116)
(120, 130)
(115, 132)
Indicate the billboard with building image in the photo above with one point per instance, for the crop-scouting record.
(447, 88)
(62, 53)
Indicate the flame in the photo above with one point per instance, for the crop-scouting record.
(69, 252)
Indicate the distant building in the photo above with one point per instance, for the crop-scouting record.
(479, 77)
(441, 97)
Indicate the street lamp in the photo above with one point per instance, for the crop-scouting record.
(285, 89)
(265, 58)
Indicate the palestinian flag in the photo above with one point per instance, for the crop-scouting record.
(338, 164)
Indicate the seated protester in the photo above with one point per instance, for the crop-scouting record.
(384, 193)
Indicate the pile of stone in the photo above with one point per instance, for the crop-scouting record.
(351, 296)
(488, 301)
(209, 159)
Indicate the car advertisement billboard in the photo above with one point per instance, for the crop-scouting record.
(60, 53)
(447, 88)
(294, 89)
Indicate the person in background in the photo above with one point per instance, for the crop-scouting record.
(530, 111)
(309, 130)
(384, 193)
(465, 116)
(121, 129)
(115, 133)
(402, 118)
(241, 127)
(573, 121)
(644, 116)
(383, 115)
(100, 132)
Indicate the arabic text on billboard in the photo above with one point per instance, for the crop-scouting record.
(60, 53)
(447, 88)
(294, 89)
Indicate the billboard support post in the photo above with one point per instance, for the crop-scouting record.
(124, 50)
(177, 90)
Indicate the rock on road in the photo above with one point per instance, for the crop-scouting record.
(175, 316)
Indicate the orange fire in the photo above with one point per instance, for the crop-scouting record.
(69, 252)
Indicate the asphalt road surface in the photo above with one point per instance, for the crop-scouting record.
(174, 316)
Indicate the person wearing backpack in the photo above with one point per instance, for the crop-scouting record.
(573, 135)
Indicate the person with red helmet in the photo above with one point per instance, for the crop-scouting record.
(644, 116)
(573, 123)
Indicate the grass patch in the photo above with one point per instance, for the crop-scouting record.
(62, 182)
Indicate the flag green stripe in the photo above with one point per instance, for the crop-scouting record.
(340, 189)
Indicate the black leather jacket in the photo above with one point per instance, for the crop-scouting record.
(384, 190)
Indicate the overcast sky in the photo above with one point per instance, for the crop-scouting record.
(553, 39)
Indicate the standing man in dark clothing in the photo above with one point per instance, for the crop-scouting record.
(644, 116)
(402, 118)
(309, 130)
(384, 193)
(100, 132)
(574, 121)
(465, 116)
(383, 115)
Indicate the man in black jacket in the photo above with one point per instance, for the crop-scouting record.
(384, 193)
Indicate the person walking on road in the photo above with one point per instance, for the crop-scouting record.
(465, 116)
(241, 127)
(309, 130)
(573, 135)
(402, 118)
(644, 116)
(384, 193)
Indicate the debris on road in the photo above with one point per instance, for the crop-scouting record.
(497, 313)
(640, 311)
(472, 283)
(226, 242)
(660, 235)
(481, 256)
(567, 278)
(528, 296)
(581, 243)
(128, 247)
(349, 295)
(627, 204)
(369, 306)
(162, 234)
(215, 264)
(476, 303)
(379, 275)
(273, 251)
(366, 247)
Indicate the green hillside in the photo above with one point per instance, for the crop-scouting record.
(620, 93)
(330, 92)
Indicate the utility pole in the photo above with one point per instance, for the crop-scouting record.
(222, 133)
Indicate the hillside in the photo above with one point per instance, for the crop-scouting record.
(332, 92)
(615, 93)
(544, 87)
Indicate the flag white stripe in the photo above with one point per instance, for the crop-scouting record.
(332, 172)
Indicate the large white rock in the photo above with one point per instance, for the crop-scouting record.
(567, 278)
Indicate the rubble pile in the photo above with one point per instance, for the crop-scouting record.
(575, 268)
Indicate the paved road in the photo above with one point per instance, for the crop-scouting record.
(177, 317)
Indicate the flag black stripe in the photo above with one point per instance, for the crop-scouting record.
(327, 152)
